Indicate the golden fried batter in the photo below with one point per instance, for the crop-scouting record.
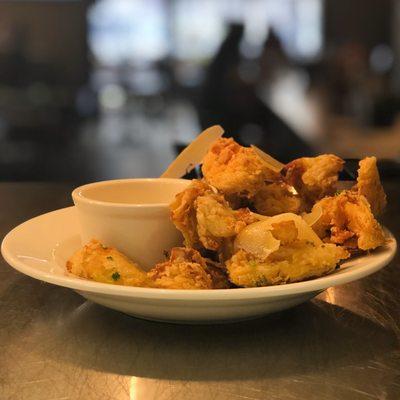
(369, 185)
(183, 212)
(347, 220)
(106, 264)
(215, 221)
(293, 262)
(187, 269)
(235, 169)
(218, 274)
(277, 198)
(205, 217)
(291, 255)
(314, 177)
(286, 232)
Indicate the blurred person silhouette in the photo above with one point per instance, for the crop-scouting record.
(273, 57)
(229, 98)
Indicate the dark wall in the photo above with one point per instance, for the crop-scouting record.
(365, 21)
(52, 32)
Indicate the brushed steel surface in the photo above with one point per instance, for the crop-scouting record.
(56, 345)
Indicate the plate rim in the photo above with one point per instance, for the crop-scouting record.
(258, 293)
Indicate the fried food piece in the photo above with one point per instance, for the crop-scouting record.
(277, 198)
(187, 269)
(286, 232)
(106, 264)
(234, 169)
(293, 262)
(347, 220)
(298, 255)
(183, 212)
(226, 250)
(205, 217)
(266, 236)
(314, 177)
(216, 221)
(369, 185)
(218, 274)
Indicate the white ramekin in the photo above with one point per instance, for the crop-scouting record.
(130, 214)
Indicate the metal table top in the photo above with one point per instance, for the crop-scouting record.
(56, 345)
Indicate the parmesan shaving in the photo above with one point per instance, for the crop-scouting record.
(314, 215)
(193, 154)
(256, 240)
(273, 164)
(260, 216)
(305, 232)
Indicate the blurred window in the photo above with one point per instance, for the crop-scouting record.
(147, 30)
(128, 31)
(198, 28)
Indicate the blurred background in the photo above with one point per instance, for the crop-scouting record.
(105, 89)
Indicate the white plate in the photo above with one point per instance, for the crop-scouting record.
(40, 247)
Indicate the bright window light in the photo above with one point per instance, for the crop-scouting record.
(140, 31)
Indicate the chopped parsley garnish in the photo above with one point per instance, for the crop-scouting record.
(253, 263)
(338, 192)
(110, 258)
(115, 276)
